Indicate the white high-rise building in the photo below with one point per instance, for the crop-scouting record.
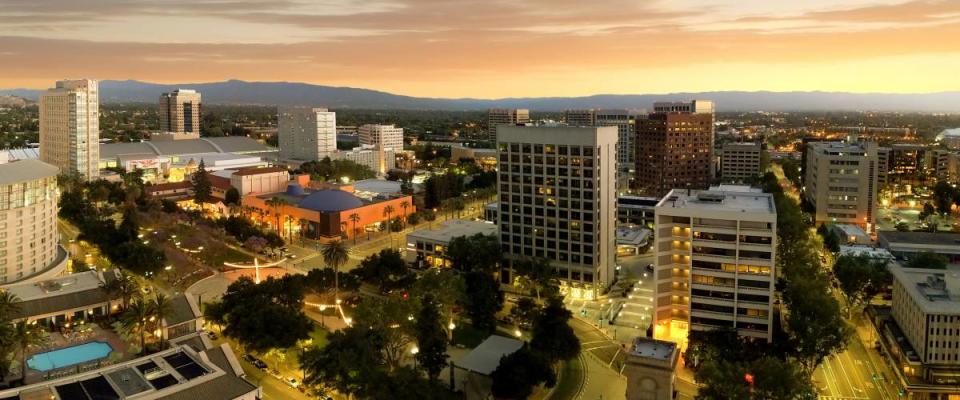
(307, 134)
(841, 182)
(29, 237)
(715, 262)
(558, 201)
(389, 136)
(70, 127)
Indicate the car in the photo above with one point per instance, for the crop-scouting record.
(256, 362)
(292, 382)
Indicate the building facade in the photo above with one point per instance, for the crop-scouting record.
(715, 262)
(378, 159)
(623, 120)
(29, 239)
(740, 162)
(387, 136)
(180, 111)
(503, 116)
(427, 247)
(70, 127)
(307, 134)
(557, 188)
(650, 369)
(674, 150)
(841, 182)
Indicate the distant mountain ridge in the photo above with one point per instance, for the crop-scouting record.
(291, 93)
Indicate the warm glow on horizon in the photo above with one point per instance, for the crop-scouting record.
(498, 48)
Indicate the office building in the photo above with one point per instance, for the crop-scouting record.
(501, 116)
(841, 182)
(906, 245)
(883, 165)
(180, 111)
(580, 117)
(650, 369)
(675, 148)
(715, 262)
(636, 210)
(920, 331)
(557, 188)
(307, 134)
(29, 239)
(623, 120)
(378, 159)
(387, 136)
(427, 247)
(70, 127)
(740, 162)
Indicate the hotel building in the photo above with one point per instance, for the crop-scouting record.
(715, 262)
(675, 148)
(70, 127)
(557, 188)
(307, 134)
(841, 182)
(29, 248)
(387, 136)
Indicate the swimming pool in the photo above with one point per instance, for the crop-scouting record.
(68, 356)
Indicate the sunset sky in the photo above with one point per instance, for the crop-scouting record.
(491, 48)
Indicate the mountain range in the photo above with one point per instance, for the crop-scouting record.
(291, 93)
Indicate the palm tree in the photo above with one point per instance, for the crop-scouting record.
(355, 218)
(277, 203)
(135, 320)
(124, 286)
(404, 205)
(335, 254)
(25, 335)
(8, 304)
(289, 221)
(386, 212)
(302, 223)
(160, 308)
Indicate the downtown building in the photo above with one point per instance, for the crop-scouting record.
(70, 127)
(386, 136)
(715, 262)
(180, 112)
(674, 148)
(624, 120)
(557, 189)
(841, 182)
(306, 134)
(504, 116)
(740, 162)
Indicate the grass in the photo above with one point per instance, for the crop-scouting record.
(216, 258)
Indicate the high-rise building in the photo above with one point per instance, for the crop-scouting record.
(70, 127)
(841, 182)
(503, 116)
(307, 134)
(623, 120)
(557, 189)
(740, 161)
(389, 136)
(180, 111)
(28, 221)
(675, 148)
(715, 262)
(580, 117)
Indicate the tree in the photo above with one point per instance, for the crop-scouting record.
(902, 227)
(943, 196)
(391, 316)
(350, 362)
(860, 278)
(129, 229)
(160, 309)
(232, 197)
(404, 205)
(552, 335)
(202, 188)
(538, 275)
(122, 286)
(928, 210)
(431, 338)
(335, 254)
(474, 253)
(268, 315)
(25, 334)
(384, 269)
(445, 287)
(525, 312)
(355, 218)
(387, 211)
(765, 378)
(413, 219)
(927, 260)
(396, 225)
(518, 373)
(276, 205)
(135, 321)
(483, 300)
(814, 322)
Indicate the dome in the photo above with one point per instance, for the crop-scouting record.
(330, 201)
(294, 189)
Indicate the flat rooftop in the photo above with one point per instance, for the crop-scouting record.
(926, 238)
(721, 198)
(935, 291)
(455, 228)
(653, 349)
(25, 171)
(73, 283)
(851, 230)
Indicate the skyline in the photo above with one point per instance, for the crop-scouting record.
(492, 49)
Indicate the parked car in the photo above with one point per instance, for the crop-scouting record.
(292, 382)
(256, 362)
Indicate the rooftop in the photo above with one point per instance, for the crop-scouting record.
(631, 235)
(227, 144)
(926, 238)
(851, 230)
(722, 198)
(486, 357)
(25, 171)
(653, 349)
(871, 252)
(258, 171)
(453, 229)
(73, 283)
(935, 291)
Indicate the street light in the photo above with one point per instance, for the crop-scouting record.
(414, 351)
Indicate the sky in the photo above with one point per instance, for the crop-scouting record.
(491, 48)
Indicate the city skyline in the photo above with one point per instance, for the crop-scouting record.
(490, 50)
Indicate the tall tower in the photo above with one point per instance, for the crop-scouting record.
(558, 195)
(70, 127)
(503, 116)
(675, 148)
(308, 134)
(180, 111)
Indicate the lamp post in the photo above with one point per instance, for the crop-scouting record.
(414, 352)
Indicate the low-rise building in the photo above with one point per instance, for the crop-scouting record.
(850, 234)
(867, 251)
(649, 369)
(427, 247)
(64, 300)
(379, 159)
(484, 158)
(905, 245)
(740, 162)
(174, 160)
(636, 210)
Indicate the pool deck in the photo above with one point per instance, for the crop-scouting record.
(59, 341)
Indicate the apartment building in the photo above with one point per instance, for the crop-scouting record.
(180, 111)
(715, 262)
(70, 127)
(307, 134)
(503, 116)
(557, 188)
(841, 182)
(29, 239)
(740, 162)
(387, 136)
(674, 148)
